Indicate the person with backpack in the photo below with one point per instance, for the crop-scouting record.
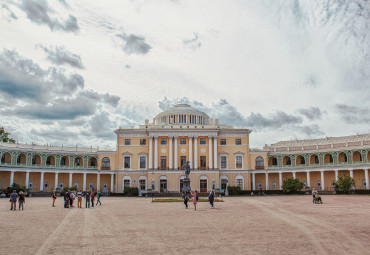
(21, 200)
(211, 198)
(67, 197)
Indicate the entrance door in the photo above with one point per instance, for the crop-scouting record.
(163, 162)
(203, 186)
(163, 186)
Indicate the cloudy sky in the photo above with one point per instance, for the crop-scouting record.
(71, 72)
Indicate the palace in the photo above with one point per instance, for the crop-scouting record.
(152, 156)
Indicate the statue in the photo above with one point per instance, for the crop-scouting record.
(187, 169)
(186, 183)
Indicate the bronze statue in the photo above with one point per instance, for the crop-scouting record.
(187, 169)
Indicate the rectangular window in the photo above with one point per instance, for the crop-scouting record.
(163, 163)
(127, 162)
(142, 162)
(142, 141)
(182, 162)
(223, 162)
(239, 183)
(202, 141)
(238, 141)
(238, 161)
(127, 141)
(222, 141)
(126, 183)
(142, 184)
(182, 140)
(203, 162)
(163, 141)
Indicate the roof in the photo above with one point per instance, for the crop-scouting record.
(182, 109)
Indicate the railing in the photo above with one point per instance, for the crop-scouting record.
(318, 165)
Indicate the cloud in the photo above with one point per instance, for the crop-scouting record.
(60, 56)
(38, 12)
(353, 114)
(134, 44)
(101, 126)
(64, 3)
(10, 12)
(309, 131)
(312, 113)
(193, 43)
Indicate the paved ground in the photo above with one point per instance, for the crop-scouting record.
(240, 225)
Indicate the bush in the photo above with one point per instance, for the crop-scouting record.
(65, 189)
(17, 188)
(344, 184)
(131, 192)
(234, 190)
(292, 185)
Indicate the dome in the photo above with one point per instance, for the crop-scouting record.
(182, 114)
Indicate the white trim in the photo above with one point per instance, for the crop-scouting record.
(239, 155)
(124, 156)
(142, 177)
(227, 162)
(146, 162)
(163, 177)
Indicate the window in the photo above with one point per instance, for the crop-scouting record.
(239, 161)
(93, 162)
(142, 161)
(203, 162)
(163, 162)
(142, 141)
(302, 160)
(274, 161)
(126, 183)
(223, 162)
(274, 185)
(259, 163)
(127, 141)
(182, 140)
(62, 161)
(238, 141)
(105, 163)
(153, 185)
(181, 184)
(127, 162)
(46, 185)
(77, 162)
(76, 185)
(288, 161)
(142, 184)
(331, 159)
(223, 184)
(203, 185)
(202, 141)
(239, 183)
(48, 161)
(316, 159)
(182, 162)
(34, 160)
(163, 141)
(222, 141)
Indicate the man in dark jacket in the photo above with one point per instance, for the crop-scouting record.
(87, 197)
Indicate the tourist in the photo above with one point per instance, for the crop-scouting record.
(314, 192)
(70, 198)
(13, 200)
(79, 197)
(211, 198)
(92, 197)
(54, 197)
(186, 199)
(98, 195)
(195, 199)
(73, 197)
(21, 200)
(67, 197)
(87, 199)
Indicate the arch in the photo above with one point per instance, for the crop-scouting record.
(300, 160)
(92, 162)
(50, 161)
(259, 163)
(21, 159)
(314, 159)
(105, 163)
(287, 161)
(328, 158)
(342, 157)
(64, 161)
(357, 156)
(272, 161)
(239, 181)
(78, 162)
(36, 160)
(6, 158)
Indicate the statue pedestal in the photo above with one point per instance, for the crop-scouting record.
(186, 186)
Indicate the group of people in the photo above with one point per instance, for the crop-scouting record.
(70, 197)
(13, 200)
(188, 194)
(316, 197)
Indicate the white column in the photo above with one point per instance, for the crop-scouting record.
(253, 181)
(367, 178)
(56, 185)
(195, 152)
(170, 160)
(155, 153)
(322, 181)
(267, 180)
(11, 178)
(215, 152)
(308, 184)
(210, 160)
(70, 180)
(351, 173)
(191, 151)
(280, 180)
(294, 175)
(84, 184)
(42, 181)
(336, 175)
(27, 179)
(98, 182)
(111, 182)
(150, 152)
(176, 164)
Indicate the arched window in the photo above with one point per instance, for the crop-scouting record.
(92, 162)
(273, 161)
(342, 157)
(78, 161)
(259, 163)
(105, 163)
(357, 156)
(300, 160)
(287, 161)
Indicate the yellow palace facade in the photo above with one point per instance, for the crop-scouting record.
(151, 158)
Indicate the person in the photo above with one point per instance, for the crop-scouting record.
(195, 198)
(186, 199)
(73, 197)
(252, 194)
(314, 192)
(79, 197)
(21, 200)
(66, 199)
(92, 197)
(98, 195)
(318, 198)
(13, 200)
(54, 197)
(87, 198)
(70, 198)
(211, 198)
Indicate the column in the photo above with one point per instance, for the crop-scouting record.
(308, 184)
(70, 179)
(253, 181)
(210, 152)
(176, 164)
(215, 152)
(56, 185)
(294, 175)
(367, 178)
(195, 152)
(191, 151)
(155, 153)
(280, 180)
(98, 182)
(11, 178)
(111, 182)
(351, 173)
(150, 152)
(27, 179)
(322, 181)
(42, 181)
(84, 183)
(170, 160)
(336, 175)
(267, 180)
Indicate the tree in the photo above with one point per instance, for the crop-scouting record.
(344, 184)
(4, 136)
(292, 185)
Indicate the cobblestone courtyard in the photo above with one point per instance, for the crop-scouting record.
(240, 225)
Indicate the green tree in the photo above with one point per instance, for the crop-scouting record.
(344, 184)
(4, 136)
(292, 185)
